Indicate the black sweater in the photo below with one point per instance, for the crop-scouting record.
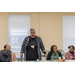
(50, 53)
(31, 53)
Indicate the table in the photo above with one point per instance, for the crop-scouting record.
(46, 61)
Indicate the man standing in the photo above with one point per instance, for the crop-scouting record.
(31, 47)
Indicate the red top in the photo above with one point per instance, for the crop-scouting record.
(72, 54)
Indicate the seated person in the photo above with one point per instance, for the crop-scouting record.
(12, 53)
(5, 56)
(70, 55)
(54, 54)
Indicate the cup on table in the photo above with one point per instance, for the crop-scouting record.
(59, 58)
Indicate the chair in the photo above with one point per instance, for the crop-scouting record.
(42, 54)
(62, 52)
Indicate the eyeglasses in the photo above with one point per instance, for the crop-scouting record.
(32, 32)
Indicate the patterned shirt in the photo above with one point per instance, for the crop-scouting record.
(69, 56)
(54, 56)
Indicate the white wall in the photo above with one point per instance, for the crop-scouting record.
(68, 32)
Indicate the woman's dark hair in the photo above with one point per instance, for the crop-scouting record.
(52, 48)
(71, 46)
(5, 46)
(5, 56)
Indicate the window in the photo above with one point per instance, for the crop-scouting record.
(68, 32)
(18, 26)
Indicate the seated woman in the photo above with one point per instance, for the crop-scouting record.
(54, 54)
(70, 55)
(12, 53)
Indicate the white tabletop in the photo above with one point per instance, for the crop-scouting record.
(46, 61)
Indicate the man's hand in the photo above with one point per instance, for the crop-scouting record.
(21, 55)
(45, 56)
